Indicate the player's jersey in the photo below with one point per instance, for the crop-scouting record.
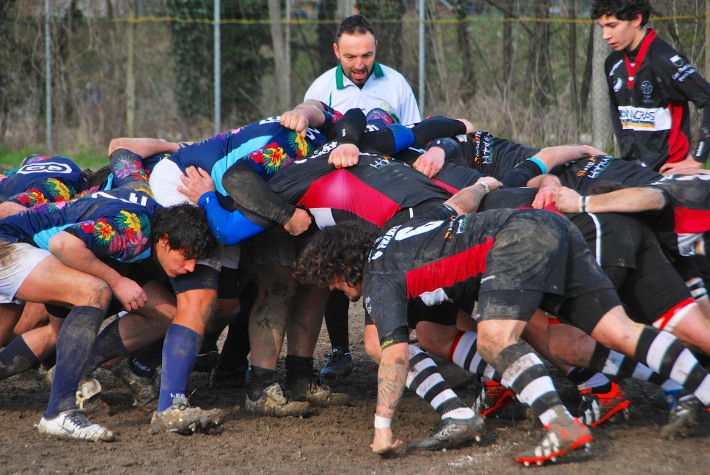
(492, 155)
(436, 257)
(113, 224)
(689, 196)
(41, 179)
(266, 145)
(580, 175)
(374, 190)
(649, 100)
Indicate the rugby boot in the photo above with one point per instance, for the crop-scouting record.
(73, 425)
(206, 362)
(562, 435)
(338, 363)
(316, 392)
(185, 419)
(144, 392)
(273, 403)
(595, 409)
(684, 415)
(451, 433)
(492, 398)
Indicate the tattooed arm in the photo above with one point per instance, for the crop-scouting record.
(391, 379)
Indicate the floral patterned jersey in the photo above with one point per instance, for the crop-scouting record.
(41, 179)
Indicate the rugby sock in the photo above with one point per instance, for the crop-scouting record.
(74, 344)
(524, 372)
(336, 320)
(236, 346)
(665, 354)
(425, 379)
(299, 373)
(465, 355)
(179, 352)
(620, 366)
(108, 345)
(586, 379)
(147, 359)
(16, 358)
(259, 379)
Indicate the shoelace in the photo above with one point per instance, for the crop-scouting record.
(78, 419)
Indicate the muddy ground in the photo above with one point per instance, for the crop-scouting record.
(333, 440)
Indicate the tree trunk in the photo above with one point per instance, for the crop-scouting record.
(282, 55)
(130, 72)
(572, 62)
(601, 121)
(468, 77)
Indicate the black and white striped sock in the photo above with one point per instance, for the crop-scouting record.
(425, 379)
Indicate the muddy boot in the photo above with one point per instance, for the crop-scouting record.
(302, 384)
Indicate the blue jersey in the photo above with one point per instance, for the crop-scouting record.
(266, 145)
(41, 179)
(113, 224)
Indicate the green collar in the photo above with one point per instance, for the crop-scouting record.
(340, 75)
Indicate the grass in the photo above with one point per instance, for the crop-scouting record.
(85, 158)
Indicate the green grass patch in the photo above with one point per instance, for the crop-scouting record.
(85, 159)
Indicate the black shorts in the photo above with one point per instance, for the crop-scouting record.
(550, 266)
(417, 311)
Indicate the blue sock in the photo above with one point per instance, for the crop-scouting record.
(16, 358)
(76, 338)
(179, 352)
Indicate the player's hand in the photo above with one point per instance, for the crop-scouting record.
(470, 126)
(430, 162)
(567, 200)
(196, 183)
(688, 162)
(493, 183)
(129, 293)
(299, 222)
(345, 155)
(385, 443)
(295, 120)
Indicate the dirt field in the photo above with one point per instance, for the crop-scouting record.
(333, 440)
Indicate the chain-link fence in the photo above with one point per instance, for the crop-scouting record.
(518, 68)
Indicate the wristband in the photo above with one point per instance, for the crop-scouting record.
(382, 422)
(583, 204)
(485, 186)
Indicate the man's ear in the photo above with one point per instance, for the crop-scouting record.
(336, 51)
(636, 22)
(163, 241)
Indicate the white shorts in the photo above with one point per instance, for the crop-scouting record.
(164, 181)
(17, 260)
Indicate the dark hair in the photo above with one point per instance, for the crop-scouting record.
(186, 229)
(625, 10)
(96, 178)
(354, 25)
(335, 252)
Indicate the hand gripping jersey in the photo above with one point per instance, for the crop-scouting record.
(266, 145)
(649, 103)
(41, 179)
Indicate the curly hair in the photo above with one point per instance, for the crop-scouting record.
(186, 229)
(625, 10)
(336, 252)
